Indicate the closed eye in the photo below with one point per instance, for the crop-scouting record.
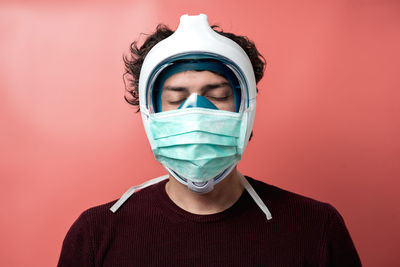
(223, 98)
(176, 102)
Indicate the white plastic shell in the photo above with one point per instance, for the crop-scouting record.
(195, 36)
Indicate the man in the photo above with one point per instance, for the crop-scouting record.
(197, 95)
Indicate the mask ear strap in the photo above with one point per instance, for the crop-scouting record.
(255, 196)
(133, 189)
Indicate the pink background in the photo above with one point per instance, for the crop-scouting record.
(327, 123)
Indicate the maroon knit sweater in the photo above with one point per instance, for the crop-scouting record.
(150, 230)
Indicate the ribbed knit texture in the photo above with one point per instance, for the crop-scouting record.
(150, 230)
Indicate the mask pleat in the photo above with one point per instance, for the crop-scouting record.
(197, 137)
(198, 170)
(169, 126)
(197, 143)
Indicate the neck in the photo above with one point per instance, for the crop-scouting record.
(223, 196)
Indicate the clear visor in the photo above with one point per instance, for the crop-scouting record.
(234, 85)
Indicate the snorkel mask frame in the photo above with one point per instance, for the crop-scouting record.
(196, 40)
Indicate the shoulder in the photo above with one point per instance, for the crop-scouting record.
(316, 223)
(100, 218)
(98, 225)
(141, 200)
(282, 202)
(95, 228)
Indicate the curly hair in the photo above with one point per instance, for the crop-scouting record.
(133, 61)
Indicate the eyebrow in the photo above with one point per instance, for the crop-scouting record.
(176, 89)
(214, 86)
(203, 89)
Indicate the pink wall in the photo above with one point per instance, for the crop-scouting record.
(327, 122)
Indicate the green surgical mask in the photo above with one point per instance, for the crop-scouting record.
(198, 143)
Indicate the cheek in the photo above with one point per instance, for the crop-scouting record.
(228, 105)
(168, 97)
(166, 106)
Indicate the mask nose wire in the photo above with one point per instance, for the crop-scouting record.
(243, 180)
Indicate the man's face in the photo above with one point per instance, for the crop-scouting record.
(180, 86)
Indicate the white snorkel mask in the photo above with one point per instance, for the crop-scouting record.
(198, 144)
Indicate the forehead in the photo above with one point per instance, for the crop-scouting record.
(191, 78)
